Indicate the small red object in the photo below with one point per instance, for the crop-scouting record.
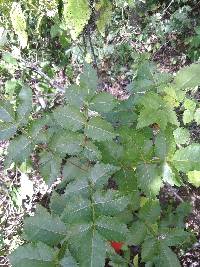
(117, 246)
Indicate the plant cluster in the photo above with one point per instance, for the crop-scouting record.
(114, 156)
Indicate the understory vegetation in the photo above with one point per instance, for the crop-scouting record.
(99, 133)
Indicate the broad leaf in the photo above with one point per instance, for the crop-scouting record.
(111, 229)
(181, 136)
(19, 23)
(188, 77)
(149, 249)
(167, 257)
(19, 150)
(50, 166)
(99, 129)
(69, 117)
(77, 209)
(149, 179)
(7, 130)
(68, 261)
(7, 113)
(110, 203)
(100, 173)
(197, 116)
(150, 212)
(76, 15)
(44, 227)
(91, 152)
(31, 255)
(90, 248)
(67, 143)
(194, 178)
(105, 10)
(103, 102)
(138, 233)
(188, 158)
(175, 236)
(24, 104)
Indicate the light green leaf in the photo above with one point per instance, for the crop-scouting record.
(105, 10)
(188, 77)
(8, 58)
(3, 36)
(103, 102)
(69, 117)
(167, 257)
(49, 166)
(188, 158)
(181, 136)
(194, 178)
(24, 104)
(111, 229)
(19, 150)
(168, 175)
(190, 104)
(149, 179)
(44, 227)
(99, 129)
(197, 116)
(67, 143)
(7, 113)
(76, 15)
(7, 130)
(31, 255)
(188, 116)
(19, 23)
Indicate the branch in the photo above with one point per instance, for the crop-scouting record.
(39, 71)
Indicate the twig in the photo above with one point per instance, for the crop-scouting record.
(165, 10)
(92, 50)
(172, 190)
(39, 71)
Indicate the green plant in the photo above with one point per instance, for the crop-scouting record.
(113, 156)
(90, 138)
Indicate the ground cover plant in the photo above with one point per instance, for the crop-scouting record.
(105, 160)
